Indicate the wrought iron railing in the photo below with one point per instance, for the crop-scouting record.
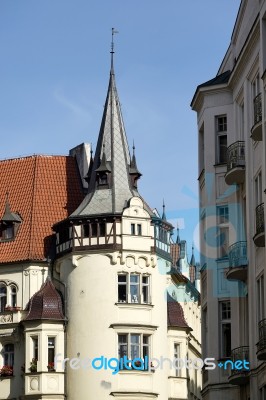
(262, 335)
(257, 109)
(236, 155)
(237, 254)
(240, 354)
(259, 218)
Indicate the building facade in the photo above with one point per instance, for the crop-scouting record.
(231, 135)
(86, 274)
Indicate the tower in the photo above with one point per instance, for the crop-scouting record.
(112, 254)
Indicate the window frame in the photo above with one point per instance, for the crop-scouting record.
(143, 288)
(221, 133)
(143, 349)
(225, 321)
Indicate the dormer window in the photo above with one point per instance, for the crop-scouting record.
(103, 179)
(9, 224)
(7, 231)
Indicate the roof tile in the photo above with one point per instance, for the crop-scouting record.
(43, 190)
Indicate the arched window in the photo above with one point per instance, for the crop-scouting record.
(13, 296)
(3, 297)
(8, 354)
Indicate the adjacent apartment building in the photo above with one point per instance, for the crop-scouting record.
(231, 118)
(86, 273)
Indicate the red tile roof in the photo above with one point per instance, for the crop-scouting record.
(175, 314)
(45, 304)
(43, 190)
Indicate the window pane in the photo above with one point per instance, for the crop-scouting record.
(145, 289)
(226, 340)
(222, 143)
(93, 230)
(134, 288)
(133, 231)
(139, 229)
(134, 346)
(122, 346)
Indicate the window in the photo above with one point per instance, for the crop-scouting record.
(3, 297)
(136, 229)
(223, 238)
(133, 232)
(260, 298)
(93, 230)
(221, 131)
(134, 345)
(177, 357)
(225, 324)
(222, 231)
(51, 350)
(201, 149)
(133, 288)
(102, 229)
(8, 355)
(13, 296)
(8, 296)
(258, 189)
(223, 214)
(7, 231)
(35, 347)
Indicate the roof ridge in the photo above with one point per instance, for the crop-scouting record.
(34, 156)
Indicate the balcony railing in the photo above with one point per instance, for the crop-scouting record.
(259, 237)
(235, 163)
(261, 346)
(237, 255)
(239, 376)
(256, 130)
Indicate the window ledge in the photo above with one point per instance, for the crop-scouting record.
(135, 371)
(134, 305)
(7, 377)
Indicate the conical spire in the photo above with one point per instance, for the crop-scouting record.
(8, 215)
(177, 235)
(164, 215)
(112, 150)
(192, 261)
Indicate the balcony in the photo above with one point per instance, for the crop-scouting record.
(261, 346)
(235, 163)
(259, 237)
(239, 376)
(237, 254)
(256, 130)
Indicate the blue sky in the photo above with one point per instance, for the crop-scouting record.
(54, 72)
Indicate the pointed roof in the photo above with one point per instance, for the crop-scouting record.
(8, 215)
(164, 215)
(177, 235)
(192, 260)
(175, 314)
(45, 304)
(112, 150)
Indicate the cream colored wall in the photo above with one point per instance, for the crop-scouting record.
(28, 277)
(95, 317)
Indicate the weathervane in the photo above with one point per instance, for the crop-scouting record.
(112, 45)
